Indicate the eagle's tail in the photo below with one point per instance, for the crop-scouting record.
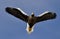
(28, 29)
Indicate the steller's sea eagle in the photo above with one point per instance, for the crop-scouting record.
(32, 19)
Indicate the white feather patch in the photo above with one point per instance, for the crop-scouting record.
(27, 29)
(21, 11)
(43, 13)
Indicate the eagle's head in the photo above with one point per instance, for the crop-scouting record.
(32, 14)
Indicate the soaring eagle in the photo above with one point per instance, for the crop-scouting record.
(32, 19)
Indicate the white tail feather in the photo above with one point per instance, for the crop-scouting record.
(27, 29)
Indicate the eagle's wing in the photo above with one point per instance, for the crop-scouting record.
(17, 13)
(46, 16)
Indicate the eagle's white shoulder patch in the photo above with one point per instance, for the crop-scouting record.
(21, 11)
(43, 13)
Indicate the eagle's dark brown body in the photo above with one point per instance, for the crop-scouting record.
(31, 21)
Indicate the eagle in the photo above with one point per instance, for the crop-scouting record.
(32, 19)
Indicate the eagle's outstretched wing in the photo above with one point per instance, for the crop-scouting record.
(46, 16)
(17, 13)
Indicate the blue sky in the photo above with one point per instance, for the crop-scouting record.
(13, 28)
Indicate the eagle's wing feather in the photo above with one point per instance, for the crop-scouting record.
(46, 16)
(17, 13)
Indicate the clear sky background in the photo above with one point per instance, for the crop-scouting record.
(14, 28)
